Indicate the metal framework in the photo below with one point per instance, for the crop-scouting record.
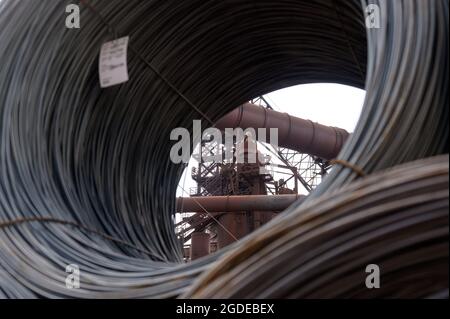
(303, 168)
(223, 178)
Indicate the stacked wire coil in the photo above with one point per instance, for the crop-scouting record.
(85, 173)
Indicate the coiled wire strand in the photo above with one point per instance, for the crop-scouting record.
(100, 157)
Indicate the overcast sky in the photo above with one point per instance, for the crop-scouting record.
(328, 104)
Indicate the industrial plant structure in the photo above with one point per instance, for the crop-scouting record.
(233, 199)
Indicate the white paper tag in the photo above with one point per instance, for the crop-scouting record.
(113, 68)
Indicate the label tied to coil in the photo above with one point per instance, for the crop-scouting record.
(113, 68)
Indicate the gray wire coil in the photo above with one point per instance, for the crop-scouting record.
(98, 159)
(396, 219)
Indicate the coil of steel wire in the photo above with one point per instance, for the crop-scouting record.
(397, 220)
(85, 174)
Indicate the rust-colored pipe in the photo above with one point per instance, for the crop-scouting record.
(236, 203)
(293, 132)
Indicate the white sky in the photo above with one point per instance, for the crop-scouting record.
(324, 103)
(328, 104)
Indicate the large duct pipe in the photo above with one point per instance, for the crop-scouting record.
(294, 133)
(236, 203)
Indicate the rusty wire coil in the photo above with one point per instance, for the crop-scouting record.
(97, 160)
